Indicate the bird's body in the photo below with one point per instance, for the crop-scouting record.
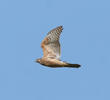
(51, 50)
(54, 63)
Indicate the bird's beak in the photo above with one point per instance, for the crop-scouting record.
(36, 60)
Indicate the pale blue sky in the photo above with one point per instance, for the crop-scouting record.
(85, 40)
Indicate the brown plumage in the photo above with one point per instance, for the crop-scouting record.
(51, 50)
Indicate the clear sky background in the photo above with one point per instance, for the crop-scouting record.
(85, 40)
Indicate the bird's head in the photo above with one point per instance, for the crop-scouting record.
(38, 60)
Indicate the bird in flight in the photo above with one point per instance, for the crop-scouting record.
(51, 50)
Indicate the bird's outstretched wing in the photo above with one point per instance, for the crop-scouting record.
(51, 45)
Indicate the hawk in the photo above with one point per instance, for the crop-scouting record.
(51, 50)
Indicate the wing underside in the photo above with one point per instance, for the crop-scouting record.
(51, 45)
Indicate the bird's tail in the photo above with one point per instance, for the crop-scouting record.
(72, 65)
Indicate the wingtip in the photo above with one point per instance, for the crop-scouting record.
(60, 27)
